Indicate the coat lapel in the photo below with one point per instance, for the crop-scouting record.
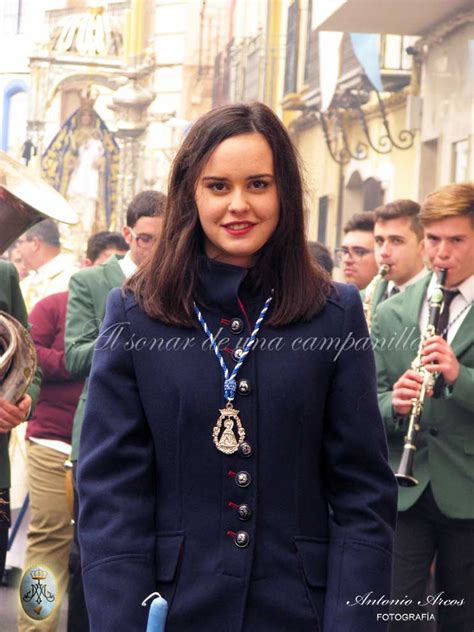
(378, 294)
(113, 272)
(465, 335)
(411, 303)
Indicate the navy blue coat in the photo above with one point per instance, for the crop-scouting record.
(159, 503)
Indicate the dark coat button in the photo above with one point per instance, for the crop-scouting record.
(245, 449)
(237, 354)
(434, 432)
(244, 512)
(243, 479)
(244, 387)
(236, 325)
(242, 539)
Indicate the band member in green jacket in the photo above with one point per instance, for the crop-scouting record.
(435, 516)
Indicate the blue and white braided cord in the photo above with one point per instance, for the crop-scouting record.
(230, 385)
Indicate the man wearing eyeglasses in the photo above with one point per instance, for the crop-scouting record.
(89, 288)
(356, 254)
(88, 291)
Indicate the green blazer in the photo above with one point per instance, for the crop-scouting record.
(88, 291)
(11, 301)
(445, 445)
(378, 295)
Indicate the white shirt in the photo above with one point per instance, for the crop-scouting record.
(128, 265)
(458, 310)
(53, 444)
(50, 278)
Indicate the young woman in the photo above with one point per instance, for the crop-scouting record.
(232, 455)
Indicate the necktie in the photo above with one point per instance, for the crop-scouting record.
(395, 290)
(443, 322)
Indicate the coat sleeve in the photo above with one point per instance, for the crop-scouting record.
(462, 389)
(82, 327)
(45, 329)
(116, 482)
(362, 490)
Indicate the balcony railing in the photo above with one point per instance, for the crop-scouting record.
(239, 71)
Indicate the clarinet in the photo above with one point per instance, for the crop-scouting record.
(404, 474)
(369, 293)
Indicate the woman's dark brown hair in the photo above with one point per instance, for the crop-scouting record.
(166, 285)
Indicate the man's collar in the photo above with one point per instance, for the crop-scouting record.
(466, 288)
(128, 265)
(420, 275)
(54, 266)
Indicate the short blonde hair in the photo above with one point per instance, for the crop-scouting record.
(452, 200)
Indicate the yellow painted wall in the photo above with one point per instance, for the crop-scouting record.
(321, 177)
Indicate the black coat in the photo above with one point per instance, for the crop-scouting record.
(159, 501)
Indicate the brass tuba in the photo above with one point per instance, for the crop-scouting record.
(25, 200)
(18, 359)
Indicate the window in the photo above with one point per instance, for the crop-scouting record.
(218, 80)
(14, 115)
(291, 58)
(394, 55)
(253, 71)
(428, 167)
(323, 218)
(17, 123)
(460, 161)
(10, 13)
(307, 62)
(373, 194)
(236, 71)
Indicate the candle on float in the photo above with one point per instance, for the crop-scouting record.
(133, 30)
(140, 25)
(126, 35)
(157, 614)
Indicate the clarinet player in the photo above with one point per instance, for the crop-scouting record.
(435, 516)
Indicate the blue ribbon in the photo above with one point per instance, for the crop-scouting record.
(230, 385)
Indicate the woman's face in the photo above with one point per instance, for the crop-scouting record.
(237, 199)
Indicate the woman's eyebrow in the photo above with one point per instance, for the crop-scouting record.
(252, 177)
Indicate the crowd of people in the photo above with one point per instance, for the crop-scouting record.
(223, 450)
